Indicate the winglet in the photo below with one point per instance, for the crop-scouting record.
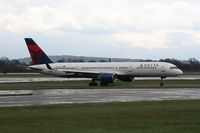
(37, 54)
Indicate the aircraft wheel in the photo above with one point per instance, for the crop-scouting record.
(93, 84)
(103, 84)
(161, 84)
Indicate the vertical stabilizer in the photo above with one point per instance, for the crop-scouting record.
(37, 54)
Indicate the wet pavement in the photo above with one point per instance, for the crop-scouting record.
(64, 96)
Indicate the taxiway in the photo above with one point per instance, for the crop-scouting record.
(70, 96)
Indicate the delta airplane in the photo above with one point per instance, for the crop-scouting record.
(105, 72)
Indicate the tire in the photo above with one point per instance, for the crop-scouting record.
(161, 84)
(103, 84)
(93, 84)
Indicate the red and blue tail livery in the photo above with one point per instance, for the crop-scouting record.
(37, 54)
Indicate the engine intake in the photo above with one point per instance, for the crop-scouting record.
(107, 78)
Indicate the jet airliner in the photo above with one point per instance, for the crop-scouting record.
(105, 72)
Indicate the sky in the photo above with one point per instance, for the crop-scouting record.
(137, 29)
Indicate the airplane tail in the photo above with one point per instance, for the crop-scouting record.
(37, 54)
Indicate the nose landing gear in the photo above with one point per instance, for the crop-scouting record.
(162, 81)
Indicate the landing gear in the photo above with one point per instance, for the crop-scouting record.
(162, 82)
(93, 83)
(103, 84)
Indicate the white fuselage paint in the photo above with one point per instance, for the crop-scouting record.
(134, 69)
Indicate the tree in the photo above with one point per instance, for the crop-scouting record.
(61, 60)
(91, 61)
(7, 65)
(103, 61)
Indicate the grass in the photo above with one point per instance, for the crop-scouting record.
(139, 117)
(6, 95)
(191, 73)
(22, 75)
(84, 85)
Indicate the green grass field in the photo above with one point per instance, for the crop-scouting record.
(22, 75)
(139, 117)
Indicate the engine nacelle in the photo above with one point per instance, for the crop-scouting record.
(107, 78)
(125, 78)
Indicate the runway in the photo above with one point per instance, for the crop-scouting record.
(70, 96)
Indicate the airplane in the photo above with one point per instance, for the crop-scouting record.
(105, 72)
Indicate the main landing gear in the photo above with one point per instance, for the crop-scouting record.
(103, 84)
(93, 83)
(162, 82)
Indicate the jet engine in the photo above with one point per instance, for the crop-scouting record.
(107, 78)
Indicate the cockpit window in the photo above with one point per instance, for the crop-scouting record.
(173, 67)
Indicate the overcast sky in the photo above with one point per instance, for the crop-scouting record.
(148, 29)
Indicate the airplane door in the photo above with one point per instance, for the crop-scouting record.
(163, 70)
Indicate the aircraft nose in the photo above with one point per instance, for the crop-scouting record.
(180, 72)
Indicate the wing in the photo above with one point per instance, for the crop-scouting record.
(89, 73)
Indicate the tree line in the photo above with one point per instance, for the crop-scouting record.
(7, 66)
(14, 66)
(191, 65)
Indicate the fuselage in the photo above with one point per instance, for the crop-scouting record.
(134, 69)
